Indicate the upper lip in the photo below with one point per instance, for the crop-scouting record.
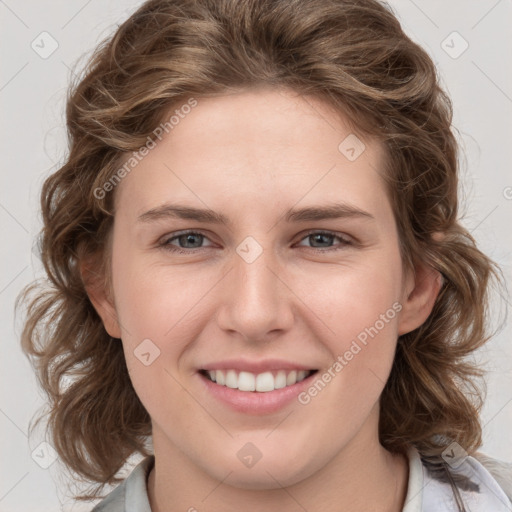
(265, 365)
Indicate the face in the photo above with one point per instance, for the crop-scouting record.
(297, 267)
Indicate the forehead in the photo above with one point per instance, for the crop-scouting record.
(254, 150)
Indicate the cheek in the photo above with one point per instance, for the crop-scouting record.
(163, 310)
(151, 298)
(359, 308)
(361, 312)
(159, 310)
(351, 297)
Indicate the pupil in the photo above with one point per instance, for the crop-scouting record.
(189, 237)
(319, 236)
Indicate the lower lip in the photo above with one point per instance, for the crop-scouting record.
(254, 402)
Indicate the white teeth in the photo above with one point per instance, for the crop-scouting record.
(246, 381)
(220, 378)
(280, 380)
(265, 382)
(262, 382)
(231, 379)
(292, 378)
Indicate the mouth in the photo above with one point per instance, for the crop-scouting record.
(256, 383)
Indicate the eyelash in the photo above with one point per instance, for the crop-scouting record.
(168, 247)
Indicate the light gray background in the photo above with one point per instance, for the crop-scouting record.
(32, 96)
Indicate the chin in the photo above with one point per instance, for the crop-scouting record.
(272, 474)
(261, 481)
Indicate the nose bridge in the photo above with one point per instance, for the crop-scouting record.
(256, 300)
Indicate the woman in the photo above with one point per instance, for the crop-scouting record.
(257, 367)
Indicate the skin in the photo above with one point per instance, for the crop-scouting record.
(252, 156)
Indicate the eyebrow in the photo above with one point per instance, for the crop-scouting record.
(310, 213)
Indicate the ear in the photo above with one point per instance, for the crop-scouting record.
(100, 296)
(422, 289)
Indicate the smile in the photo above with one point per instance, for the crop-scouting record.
(261, 382)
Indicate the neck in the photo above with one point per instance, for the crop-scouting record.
(362, 478)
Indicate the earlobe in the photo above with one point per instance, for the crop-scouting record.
(419, 301)
(100, 299)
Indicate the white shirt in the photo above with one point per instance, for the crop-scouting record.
(425, 493)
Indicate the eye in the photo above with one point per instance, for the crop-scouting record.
(186, 239)
(325, 238)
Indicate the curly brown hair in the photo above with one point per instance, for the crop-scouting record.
(355, 56)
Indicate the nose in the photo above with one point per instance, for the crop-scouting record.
(257, 302)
